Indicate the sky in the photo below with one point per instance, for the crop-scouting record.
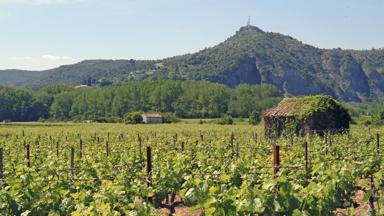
(43, 34)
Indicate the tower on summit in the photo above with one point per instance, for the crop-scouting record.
(249, 21)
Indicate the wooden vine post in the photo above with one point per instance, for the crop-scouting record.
(232, 138)
(255, 137)
(182, 146)
(330, 138)
(372, 197)
(378, 143)
(107, 148)
(1, 162)
(306, 158)
(81, 148)
(175, 140)
(149, 169)
(57, 148)
(140, 147)
(28, 155)
(326, 143)
(37, 142)
(72, 166)
(276, 159)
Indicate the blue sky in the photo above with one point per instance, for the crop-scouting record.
(41, 34)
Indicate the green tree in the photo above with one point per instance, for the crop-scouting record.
(61, 107)
(169, 118)
(133, 118)
(255, 117)
(226, 119)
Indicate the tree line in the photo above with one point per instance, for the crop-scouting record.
(186, 99)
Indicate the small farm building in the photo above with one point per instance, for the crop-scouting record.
(152, 118)
(6, 121)
(307, 115)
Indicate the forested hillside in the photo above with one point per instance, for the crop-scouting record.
(17, 78)
(187, 99)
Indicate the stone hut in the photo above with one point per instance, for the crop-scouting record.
(306, 115)
(152, 118)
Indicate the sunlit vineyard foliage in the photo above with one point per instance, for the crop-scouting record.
(203, 167)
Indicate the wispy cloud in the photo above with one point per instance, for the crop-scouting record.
(47, 57)
(40, 2)
(54, 57)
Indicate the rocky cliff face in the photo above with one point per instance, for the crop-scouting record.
(339, 75)
(245, 72)
(253, 56)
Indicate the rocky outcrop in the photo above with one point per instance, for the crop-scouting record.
(245, 72)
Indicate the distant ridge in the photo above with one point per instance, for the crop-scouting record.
(250, 56)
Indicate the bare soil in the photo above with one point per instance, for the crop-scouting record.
(361, 207)
(181, 210)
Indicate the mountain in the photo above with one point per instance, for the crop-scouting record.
(250, 56)
(18, 78)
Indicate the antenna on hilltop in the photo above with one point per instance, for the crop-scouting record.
(249, 21)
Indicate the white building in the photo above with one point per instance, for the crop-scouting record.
(152, 118)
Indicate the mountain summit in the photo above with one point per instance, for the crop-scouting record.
(250, 56)
(251, 30)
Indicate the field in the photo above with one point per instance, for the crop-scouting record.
(190, 168)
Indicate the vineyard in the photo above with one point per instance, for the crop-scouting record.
(115, 169)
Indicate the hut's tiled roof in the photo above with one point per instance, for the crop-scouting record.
(288, 108)
(302, 106)
(152, 115)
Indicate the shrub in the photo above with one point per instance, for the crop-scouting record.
(106, 119)
(226, 119)
(169, 118)
(255, 117)
(133, 118)
(378, 122)
(367, 122)
(376, 119)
